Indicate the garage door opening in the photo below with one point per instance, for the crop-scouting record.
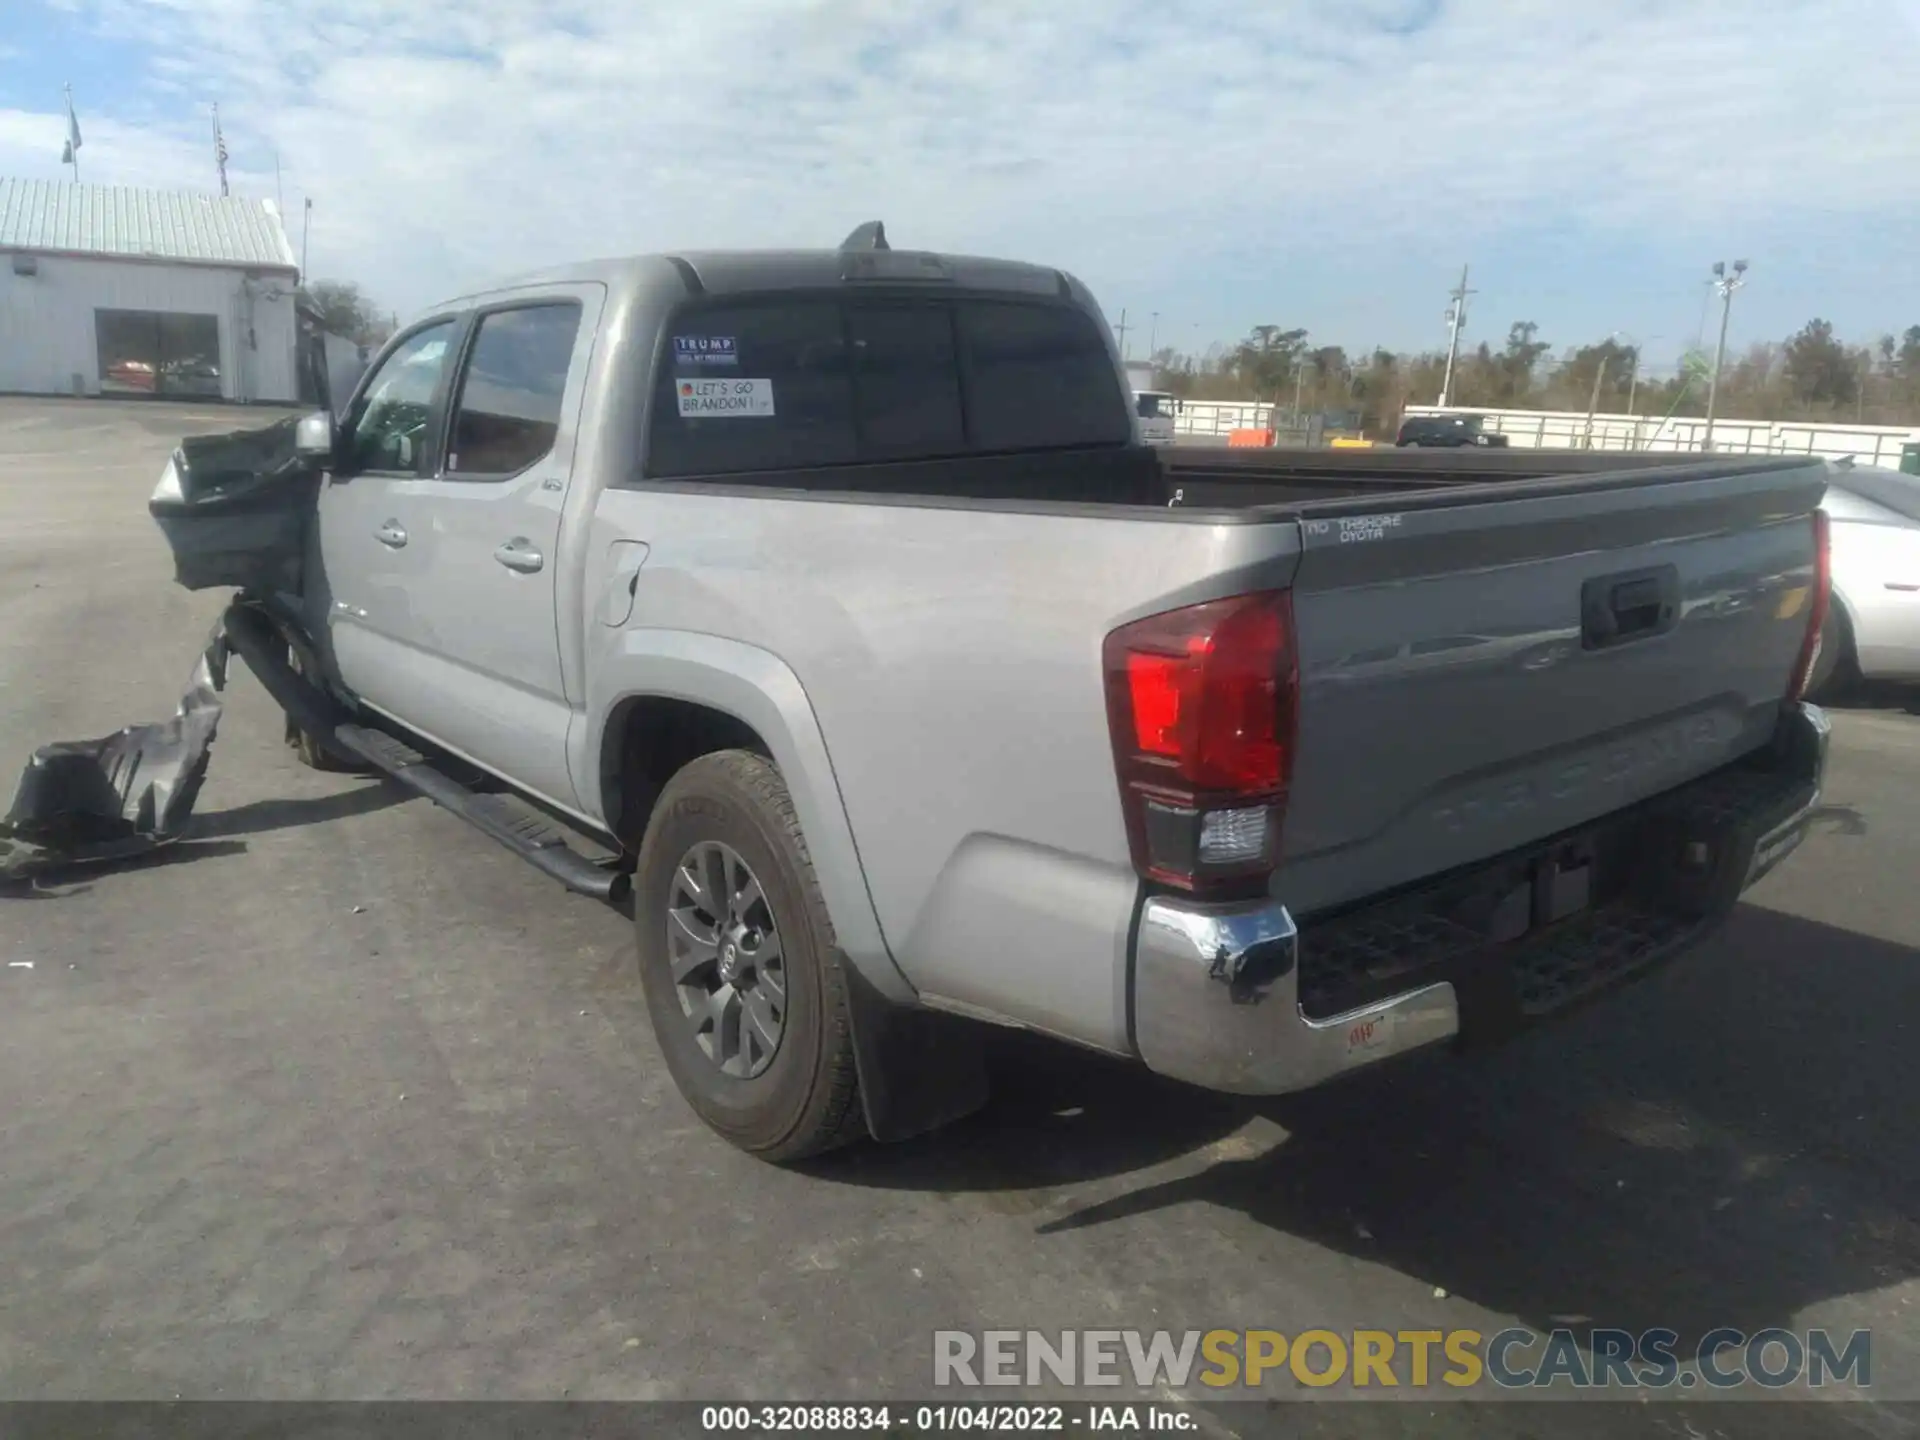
(146, 352)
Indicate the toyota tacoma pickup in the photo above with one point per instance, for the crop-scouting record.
(828, 602)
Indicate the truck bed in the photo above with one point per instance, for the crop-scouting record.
(1202, 477)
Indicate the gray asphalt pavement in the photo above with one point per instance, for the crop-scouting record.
(339, 1099)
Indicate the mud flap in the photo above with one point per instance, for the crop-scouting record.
(919, 1069)
(82, 801)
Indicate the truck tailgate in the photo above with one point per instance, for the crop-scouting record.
(1487, 667)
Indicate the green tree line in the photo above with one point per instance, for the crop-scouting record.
(1811, 375)
(345, 310)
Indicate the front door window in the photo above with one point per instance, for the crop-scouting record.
(389, 427)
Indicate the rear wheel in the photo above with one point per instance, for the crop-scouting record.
(738, 959)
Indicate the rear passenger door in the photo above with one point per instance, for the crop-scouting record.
(485, 678)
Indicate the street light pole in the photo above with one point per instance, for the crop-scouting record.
(1726, 284)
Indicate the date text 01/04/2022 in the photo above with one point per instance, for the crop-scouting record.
(703, 398)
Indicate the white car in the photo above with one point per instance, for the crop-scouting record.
(1873, 626)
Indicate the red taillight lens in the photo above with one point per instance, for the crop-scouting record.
(1817, 609)
(1200, 702)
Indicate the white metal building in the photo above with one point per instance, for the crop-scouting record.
(109, 290)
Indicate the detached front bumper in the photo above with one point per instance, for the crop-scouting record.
(1241, 999)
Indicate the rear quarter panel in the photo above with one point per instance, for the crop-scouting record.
(952, 658)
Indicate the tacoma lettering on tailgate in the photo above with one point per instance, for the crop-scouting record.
(1638, 766)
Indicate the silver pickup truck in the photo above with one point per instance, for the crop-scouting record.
(829, 602)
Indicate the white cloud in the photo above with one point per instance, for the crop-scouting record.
(446, 141)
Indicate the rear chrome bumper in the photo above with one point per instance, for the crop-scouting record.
(1808, 728)
(1216, 1001)
(1216, 988)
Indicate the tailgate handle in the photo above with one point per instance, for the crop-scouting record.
(1615, 609)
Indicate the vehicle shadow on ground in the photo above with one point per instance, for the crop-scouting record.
(1875, 695)
(258, 816)
(65, 879)
(1724, 1144)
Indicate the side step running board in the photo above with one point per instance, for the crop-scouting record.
(533, 840)
(539, 844)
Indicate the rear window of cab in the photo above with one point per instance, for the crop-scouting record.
(803, 382)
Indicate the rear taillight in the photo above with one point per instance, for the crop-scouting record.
(1817, 609)
(1201, 704)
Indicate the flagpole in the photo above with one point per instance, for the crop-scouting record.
(219, 150)
(73, 129)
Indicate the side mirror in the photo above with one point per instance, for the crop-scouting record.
(313, 437)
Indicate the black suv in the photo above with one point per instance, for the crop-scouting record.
(1446, 430)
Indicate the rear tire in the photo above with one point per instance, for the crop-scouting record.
(735, 944)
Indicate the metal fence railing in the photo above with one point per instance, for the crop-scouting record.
(1572, 429)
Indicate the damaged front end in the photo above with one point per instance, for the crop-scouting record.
(237, 511)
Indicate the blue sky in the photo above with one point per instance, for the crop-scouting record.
(1319, 163)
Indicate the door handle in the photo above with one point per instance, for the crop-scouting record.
(519, 554)
(392, 534)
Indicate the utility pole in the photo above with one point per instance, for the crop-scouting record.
(1120, 332)
(1726, 284)
(1456, 317)
(306, 222)
(1153, 334)
(1299, 374)
(1593, 401)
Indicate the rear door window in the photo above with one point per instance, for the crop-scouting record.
(508, 414)
(1039, 377)
(762, 385)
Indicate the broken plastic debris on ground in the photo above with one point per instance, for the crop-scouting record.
(87, 801)
(235, 509)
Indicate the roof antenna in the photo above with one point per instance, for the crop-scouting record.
(870, 236)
